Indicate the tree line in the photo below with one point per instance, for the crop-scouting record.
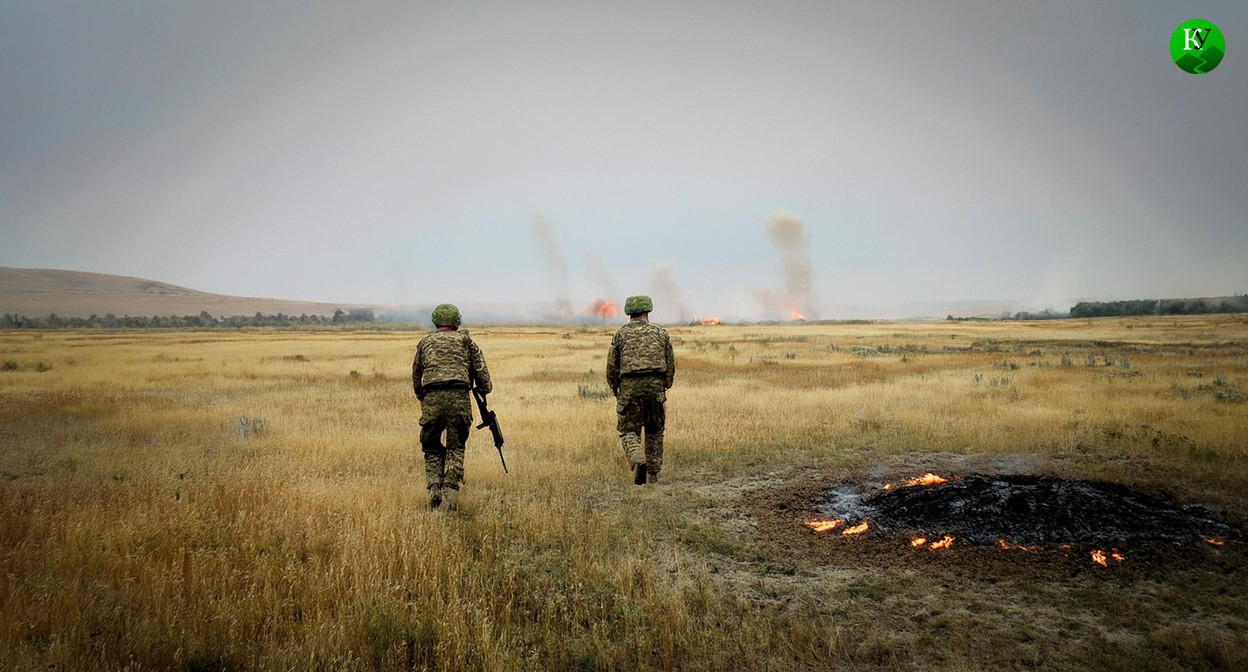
(204, 320)
(1235, 304)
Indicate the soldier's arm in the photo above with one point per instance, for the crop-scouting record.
(418, 366)
(670, 373)
(480, 372)
(613, 364)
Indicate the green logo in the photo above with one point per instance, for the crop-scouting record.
(1197, 46)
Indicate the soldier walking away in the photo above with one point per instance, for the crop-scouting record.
(640, 368)
(446, 366)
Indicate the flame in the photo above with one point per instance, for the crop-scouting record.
(943, 543)
(604, 309)
(794, 313)
(1098, 556)
(1006, 546)
(857, 529)
(1117, 556)
(926, 479)
(707, 321)
(1215, 542)
(823, 525)
(918, 541)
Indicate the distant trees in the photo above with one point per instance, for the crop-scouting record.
(1235, 304)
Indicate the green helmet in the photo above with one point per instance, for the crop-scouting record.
(446, 315)
(636, 305)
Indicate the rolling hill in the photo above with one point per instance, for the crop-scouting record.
(38, 292)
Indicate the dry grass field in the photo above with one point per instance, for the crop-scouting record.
(255, 501)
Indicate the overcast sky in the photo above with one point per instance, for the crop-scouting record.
(402, 152)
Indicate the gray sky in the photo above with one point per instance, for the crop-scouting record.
(400, 152)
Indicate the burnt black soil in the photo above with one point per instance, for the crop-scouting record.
(1060, 521)
(1038, 510)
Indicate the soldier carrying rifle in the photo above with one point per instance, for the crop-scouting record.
(447, 365)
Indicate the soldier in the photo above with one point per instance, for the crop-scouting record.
(640, 368)
(446, 366)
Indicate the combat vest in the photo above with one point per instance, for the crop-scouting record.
(643, 349)
(446, 359)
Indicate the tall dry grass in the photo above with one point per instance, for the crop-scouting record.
(255, 500)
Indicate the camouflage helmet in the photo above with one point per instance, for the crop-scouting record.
(446, 315)
(636, 305)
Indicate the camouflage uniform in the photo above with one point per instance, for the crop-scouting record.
(640, 368)
(446, 364)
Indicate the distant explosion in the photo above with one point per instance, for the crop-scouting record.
(707, 321)
(794, 313)
(604, 309)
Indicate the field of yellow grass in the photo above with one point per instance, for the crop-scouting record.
(255, 500)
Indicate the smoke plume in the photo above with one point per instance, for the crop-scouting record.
(598, 274)
(666, 292)
(553, 261)
(788, 235)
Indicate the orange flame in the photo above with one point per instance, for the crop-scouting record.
(918, 541)
(604, 309)
(1117, 556)
(794, 313)
(857, 529)
(943, 543)
(1098, 556)
(1006, 546)
(823, 525)
(926, 479)
(708, 321)
(1215, 542)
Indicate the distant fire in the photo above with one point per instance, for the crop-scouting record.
(604, 309)
(1215, 542)
(707, 321)
(794, 313)
(946, 542)
(918, 541)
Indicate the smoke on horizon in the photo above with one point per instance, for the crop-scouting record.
(554, 262)
(797, 299)
(667, 293)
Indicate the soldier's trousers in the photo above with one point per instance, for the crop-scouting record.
(444, 412)
(640, 406)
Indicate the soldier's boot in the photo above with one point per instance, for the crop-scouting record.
(435, 496)
(636, 456)
(654, 456)
(450, 499)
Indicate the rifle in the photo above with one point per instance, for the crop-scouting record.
(489, 419)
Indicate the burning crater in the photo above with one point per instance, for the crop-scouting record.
(1103, 524)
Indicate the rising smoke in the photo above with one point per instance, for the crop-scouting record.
(788, 235)
(556, 265)
(666, 292)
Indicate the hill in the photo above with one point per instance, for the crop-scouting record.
(38, 292)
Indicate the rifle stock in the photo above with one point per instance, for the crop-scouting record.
(489, 419)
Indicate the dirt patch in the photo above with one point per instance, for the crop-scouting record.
(982, 524)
